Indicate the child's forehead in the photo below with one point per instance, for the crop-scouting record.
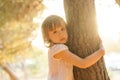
(56, 27)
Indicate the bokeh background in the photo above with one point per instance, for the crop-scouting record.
(22, 52)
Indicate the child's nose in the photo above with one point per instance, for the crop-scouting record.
(60, 33)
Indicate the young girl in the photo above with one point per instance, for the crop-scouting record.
(61, 60)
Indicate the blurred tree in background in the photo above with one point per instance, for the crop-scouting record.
(118, 2)
(16, 28)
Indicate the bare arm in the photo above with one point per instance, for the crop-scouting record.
(71, 58)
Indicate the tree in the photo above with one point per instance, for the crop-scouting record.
(118, 2)
(83, 37)
(16, 27)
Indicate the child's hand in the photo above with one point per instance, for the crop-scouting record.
(101, 45)
(102, 50)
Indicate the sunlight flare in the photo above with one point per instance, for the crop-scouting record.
(108, 17)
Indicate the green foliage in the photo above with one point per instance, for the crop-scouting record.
(16, 26)
(15, 39)
(19, 9)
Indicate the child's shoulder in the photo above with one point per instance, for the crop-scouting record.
(57, 48)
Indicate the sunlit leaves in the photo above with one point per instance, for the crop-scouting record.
(15, 37)
(19, 9)
(16, 26)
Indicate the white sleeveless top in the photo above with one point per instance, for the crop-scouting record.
(59, 69)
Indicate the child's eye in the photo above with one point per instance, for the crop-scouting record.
(62, 29)
(54, 32)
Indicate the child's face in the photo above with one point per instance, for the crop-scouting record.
(58, 35)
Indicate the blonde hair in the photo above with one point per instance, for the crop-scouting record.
(50, 23)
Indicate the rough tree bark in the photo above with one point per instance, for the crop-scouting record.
(83, 37)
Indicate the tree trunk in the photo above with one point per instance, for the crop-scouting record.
(83, 37)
